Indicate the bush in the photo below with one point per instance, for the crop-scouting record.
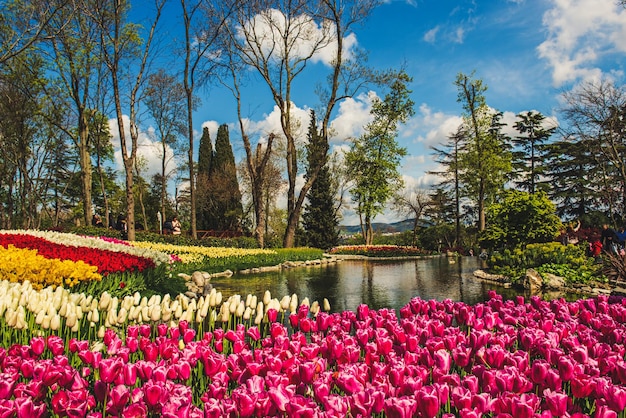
(567, 261)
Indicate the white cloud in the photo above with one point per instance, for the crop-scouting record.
(148, 149)
(308, 38)
(352, 116)
(213, 127)
(434, 127)
(580, 34)
(431, 35)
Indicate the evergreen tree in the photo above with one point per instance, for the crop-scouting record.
(573, 176)
(225, 185)
(319, 218)
(205, 164)
(528, 161)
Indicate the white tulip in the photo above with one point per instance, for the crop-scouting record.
(248, 299)
(247, 314)
(267, 296)
(79, 312)
(45, 324)
(326, 305)
(122, 316)
(156, 313)
(240, 309)
(144, 302)
(71, 320)
(101, 332)
(55, 322)
(305, 301)
(178, 312)
(315, 308)
(293, 303)
(253, 301)
(136, 298)
(105, 299)
(39, 317)
(212, 296)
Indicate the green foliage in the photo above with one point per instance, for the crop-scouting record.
(520, 218)
(155, 281)
(373, 160)
(567, 261)
(319, 219)
(217, 265)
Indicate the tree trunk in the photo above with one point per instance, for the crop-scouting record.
(85, 165)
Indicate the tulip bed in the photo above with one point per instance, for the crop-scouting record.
(500, 358)
(75, 355)
(378, 250)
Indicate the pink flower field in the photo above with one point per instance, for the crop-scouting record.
(512, 358)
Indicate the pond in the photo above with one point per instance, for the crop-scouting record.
(379, 284)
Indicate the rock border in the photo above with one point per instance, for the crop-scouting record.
(550, 284)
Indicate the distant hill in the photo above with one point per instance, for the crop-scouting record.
(389, 228)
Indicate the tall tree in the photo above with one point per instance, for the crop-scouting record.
(574, 177)
(448, 157)
(596, 113)
(122, 52)
(202, 22)
(205, 167)
(374, 157)
(279, 40)
(166, 102)
(533, 134)
(25, 23)
(484, 158)
(75, 54)
(319, 219)
(227, 209)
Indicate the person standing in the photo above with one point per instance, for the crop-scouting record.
(609, 239)
(176, 227)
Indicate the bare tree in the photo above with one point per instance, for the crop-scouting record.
(412, 203)
(596, 112)
(203, 22)
(121, 52)
(279, 40)
(75, 53)
(166, 101)
(24, 23)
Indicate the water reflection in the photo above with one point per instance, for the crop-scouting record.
(379, 284)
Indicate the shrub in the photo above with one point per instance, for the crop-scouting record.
(568, 261)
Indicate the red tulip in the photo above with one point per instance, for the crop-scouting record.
(272, 315)
(135, 410)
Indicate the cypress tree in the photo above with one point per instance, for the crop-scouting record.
(225, 185)
(319, 219)
(205, 167)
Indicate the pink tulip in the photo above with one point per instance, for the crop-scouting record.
(428, 402)
(557, 402)
(400, 407)
(135, 410)
(109, 369)
(245, 402)
(27, 409)
(272, 315)
(37, 346)
(55, 345)
(603, 411)
(282, 395)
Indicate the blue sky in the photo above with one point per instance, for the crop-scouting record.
(526, 51)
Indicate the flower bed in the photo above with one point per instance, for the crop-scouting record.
(378, 251)
(500, 358)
